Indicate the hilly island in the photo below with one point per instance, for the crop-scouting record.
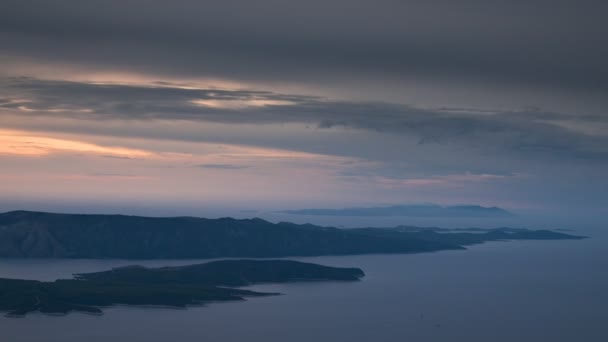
(176, 287)
(26, 234)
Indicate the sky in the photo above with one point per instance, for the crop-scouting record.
(172, 107)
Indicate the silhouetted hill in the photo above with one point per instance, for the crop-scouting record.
(25, 234)
(46, 235)
(226, 273)
(180, 286)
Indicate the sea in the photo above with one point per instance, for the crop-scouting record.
(526, 291)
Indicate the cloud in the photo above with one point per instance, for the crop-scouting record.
(528, 132)
(223, 166)
(450, 180)
(273, 40)
(28, 144)
(107, 176)
(119, 157)
(413, 179)
(395, 101)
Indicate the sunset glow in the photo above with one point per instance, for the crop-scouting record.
(30, 144)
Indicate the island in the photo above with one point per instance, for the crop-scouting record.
(176, 287)
(27, 234)
(464, 236)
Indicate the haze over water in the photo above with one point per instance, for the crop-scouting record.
(499, 291)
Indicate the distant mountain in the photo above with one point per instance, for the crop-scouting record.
(416, 210)
(25, 234)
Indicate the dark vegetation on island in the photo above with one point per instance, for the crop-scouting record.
(25, 234)
(177, 287)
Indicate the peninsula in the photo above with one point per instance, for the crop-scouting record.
(26, 234)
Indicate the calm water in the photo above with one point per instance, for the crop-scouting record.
(505, 291)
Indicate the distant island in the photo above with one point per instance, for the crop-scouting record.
(177, 287)
(26, 234)
(413, 210)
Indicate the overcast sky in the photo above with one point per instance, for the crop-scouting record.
(275, 105)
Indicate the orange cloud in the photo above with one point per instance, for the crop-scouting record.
(240, 104)
(31, 144)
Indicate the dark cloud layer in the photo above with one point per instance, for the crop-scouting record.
(559, 43)
(528, 132)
